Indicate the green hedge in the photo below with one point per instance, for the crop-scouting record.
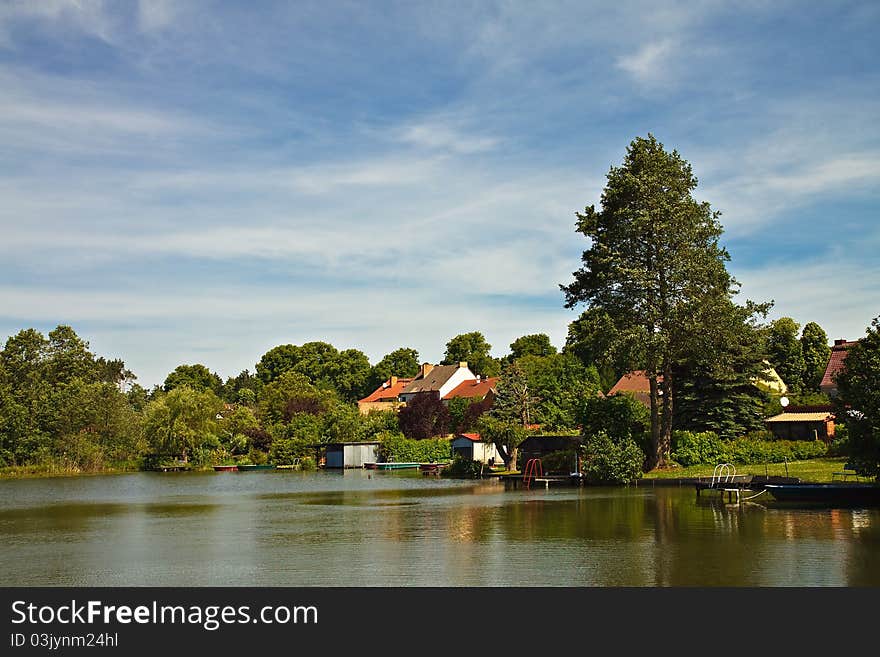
(692, 448)
(607, 461)
(403, 450)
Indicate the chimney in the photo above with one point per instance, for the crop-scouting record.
(462, 364)
(425, 368)
(393, 381)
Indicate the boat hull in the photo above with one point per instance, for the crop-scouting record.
(841, 494)
(225, 468)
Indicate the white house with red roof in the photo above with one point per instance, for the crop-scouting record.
(471, 446)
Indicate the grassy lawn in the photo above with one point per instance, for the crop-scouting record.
(812, 470)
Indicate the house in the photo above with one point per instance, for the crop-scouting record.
(471, 446)
(385, 397)
(351, 455)
(835, 365)
(635, 384)
(439, 380)
(474, 389)
(803, 423)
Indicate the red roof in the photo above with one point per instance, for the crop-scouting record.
(475, 437)
(473, 389)
(835, 363)
(386, 391)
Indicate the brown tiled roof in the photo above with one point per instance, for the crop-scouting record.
(386, 391)
(473, 389)
(636, 381)
(474, 437)
(433, 381)
(835, 363)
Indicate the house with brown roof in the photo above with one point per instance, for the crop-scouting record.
(439, 380)
(635, 384)
(386, 397)
(836, 362)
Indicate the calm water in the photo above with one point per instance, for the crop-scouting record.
(402, 529)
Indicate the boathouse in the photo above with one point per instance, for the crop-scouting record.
(351, 455)
(470, 446)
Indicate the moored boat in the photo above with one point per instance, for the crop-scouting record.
(835, 494)
(225, 468)
(393, 465)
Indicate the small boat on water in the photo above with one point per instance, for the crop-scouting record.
(432, 468)
(225, 468)
(253, 467)
(393, 465)
(840, 494)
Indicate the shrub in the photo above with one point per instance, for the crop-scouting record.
(611, 462)
(396, 447)
(463, 468)
(694, 448)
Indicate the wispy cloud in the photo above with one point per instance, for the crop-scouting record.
(650, 64)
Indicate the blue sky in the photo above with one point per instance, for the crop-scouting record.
(201, 181)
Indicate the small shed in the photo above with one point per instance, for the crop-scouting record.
(802, 424)
(471, 446)
(351, 455)
(537, 447)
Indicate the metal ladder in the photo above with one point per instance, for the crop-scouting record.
(532, 470)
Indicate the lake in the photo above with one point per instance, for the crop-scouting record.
(365, 528)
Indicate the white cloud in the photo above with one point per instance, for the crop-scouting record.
(438, 135)
(156, 14)
(651, 63)
(841, 295)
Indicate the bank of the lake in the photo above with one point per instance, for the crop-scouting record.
(817, 470)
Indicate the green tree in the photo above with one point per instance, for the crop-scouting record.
(182, 421)
(784, 351)
(560, 383)
(592, 339)
(815, 349)
(277, 361)
(197, 377)
(403, 362)
(858, 401)
(508, 422)
(347, 372)
(536, 344)
(473, 349)
(292, 393)
(715, 386)
(653, 266)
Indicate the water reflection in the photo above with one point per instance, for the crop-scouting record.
(370, 529)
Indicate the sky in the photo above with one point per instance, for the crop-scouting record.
(195, 181)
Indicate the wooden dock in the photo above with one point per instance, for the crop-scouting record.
(515, 481)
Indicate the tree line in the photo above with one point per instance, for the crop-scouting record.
(659, 299)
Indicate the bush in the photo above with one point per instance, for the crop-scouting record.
(694, 448)
(463, 468)
(689, 448)
(611, 462)
(307, 463)
(396, 447)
